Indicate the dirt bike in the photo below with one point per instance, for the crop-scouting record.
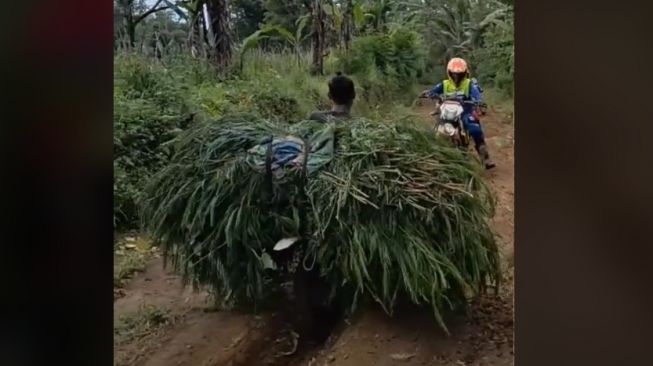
(449, 121)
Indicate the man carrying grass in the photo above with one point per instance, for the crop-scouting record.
(341, 94)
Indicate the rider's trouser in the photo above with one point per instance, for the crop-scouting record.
(473, 126)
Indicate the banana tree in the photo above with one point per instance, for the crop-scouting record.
(334, 21)
(376, 13)
(495, 13)
(460, 26)
(353, 20)
(250, 42)
(294, 40)
(318, 35)
(191, 11)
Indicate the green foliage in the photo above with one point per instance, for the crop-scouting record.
(136, 77)
(479, 30)
(128, 259)
(249, 15)
(496, 61)
(394, 214)
(399, 50)
(148, 110)
(284, 13)
(276, 32)
(376, 14)
(270, 85)
(159, 35)
(385, 66)
(153, 102)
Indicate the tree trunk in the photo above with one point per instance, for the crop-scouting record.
(194, 34)
(222, 37)
(130, 25)
(318, 38)
(131, 32)
(158, 46)
(348, 24)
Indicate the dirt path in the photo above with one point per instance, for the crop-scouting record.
(188, 334)
(188, 328)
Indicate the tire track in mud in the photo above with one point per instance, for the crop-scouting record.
(196, 334)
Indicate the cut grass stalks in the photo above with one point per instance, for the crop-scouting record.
(395, 213)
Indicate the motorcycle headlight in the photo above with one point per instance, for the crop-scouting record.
(449, 129)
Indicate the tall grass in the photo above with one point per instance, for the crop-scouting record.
(283, 61)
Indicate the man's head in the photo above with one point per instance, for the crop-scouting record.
(457, 70)
(341, 90)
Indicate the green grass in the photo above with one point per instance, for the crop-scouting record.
(499, 101)
(129, 257)
(148, 320)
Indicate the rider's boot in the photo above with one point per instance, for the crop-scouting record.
(485, 156)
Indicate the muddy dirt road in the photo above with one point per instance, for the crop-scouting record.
(166, 325)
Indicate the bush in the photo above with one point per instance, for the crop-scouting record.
(496, 60)
(398, 53)
(384, 66)
(149, 109)
(270, 85)
(140, 130)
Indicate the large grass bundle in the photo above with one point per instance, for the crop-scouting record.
(393, 214)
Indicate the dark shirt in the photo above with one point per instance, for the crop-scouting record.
(325, 116)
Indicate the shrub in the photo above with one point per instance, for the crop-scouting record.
(495, 61)
(149, 109)
(384, 66)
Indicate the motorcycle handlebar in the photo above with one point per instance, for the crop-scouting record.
(461, 101)
(455, 99)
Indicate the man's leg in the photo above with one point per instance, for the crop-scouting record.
(473, 126)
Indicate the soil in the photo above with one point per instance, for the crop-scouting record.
(197, 335)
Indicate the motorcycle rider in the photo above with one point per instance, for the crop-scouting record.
(458, 84)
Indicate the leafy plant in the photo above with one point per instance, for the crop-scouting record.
(148, 111)
(376, 14)
(496, 61)
(385, 66)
